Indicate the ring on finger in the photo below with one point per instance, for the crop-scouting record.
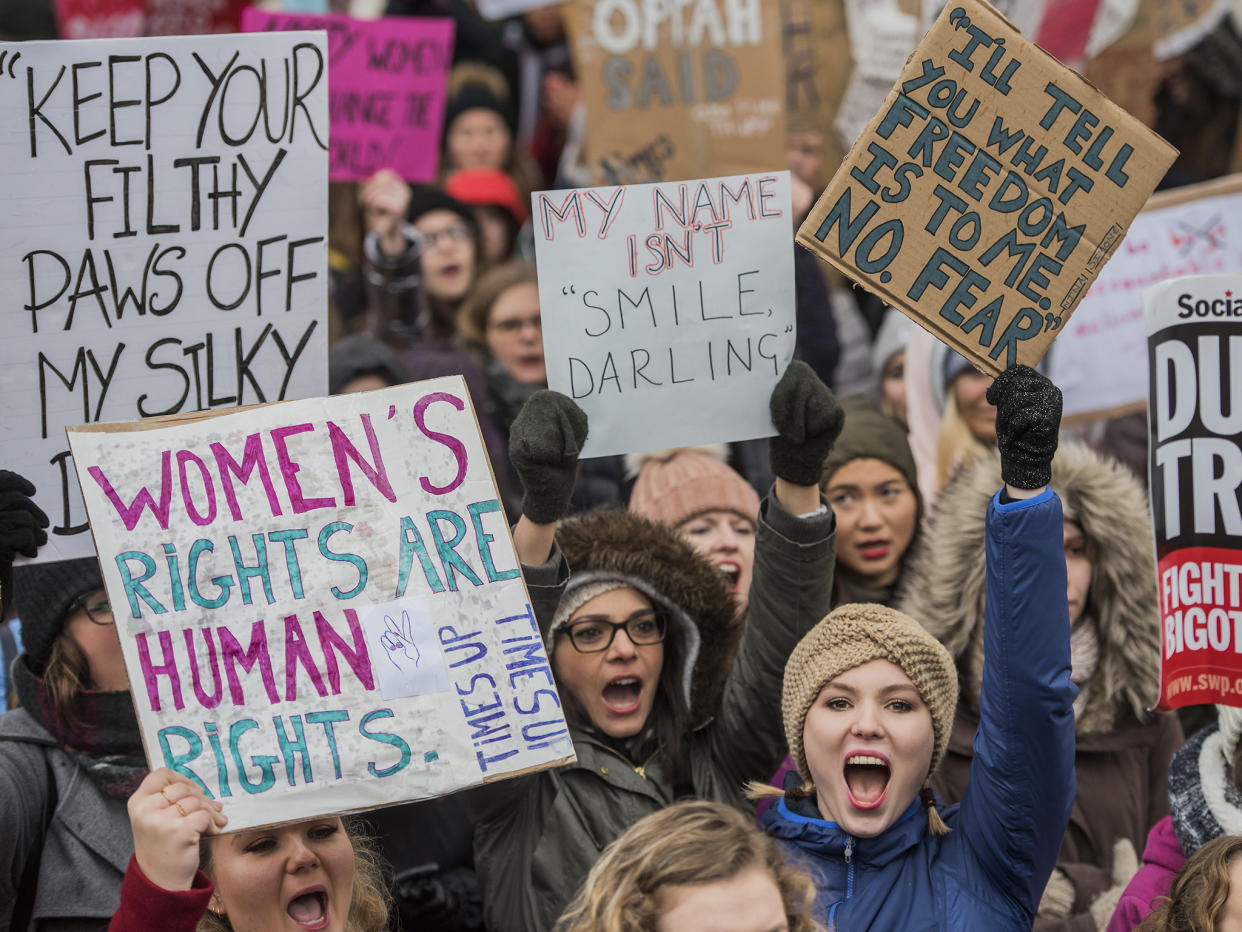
(179, 809)
(166, 799)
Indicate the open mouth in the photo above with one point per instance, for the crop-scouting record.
(310, 909)
(866, 779)
(874, 549)
(731, 570)
(623, 695)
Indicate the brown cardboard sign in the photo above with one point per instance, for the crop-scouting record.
(988, 191)
(682, 90)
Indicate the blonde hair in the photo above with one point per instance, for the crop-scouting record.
(476, 310)
(66, 674)
(687, 844)
(957, 446)
(1196, 901)
(369, 899)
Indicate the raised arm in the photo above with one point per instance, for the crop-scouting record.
(792, 583)
(1016, 808)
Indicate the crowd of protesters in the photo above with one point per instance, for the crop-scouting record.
(813, 682)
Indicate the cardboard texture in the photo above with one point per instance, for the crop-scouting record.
(818, 62)
(681, 91)
(1100, 359)
(987, 193)
(165, 244)
(386, 81)
(319, 602)
(1194, 328)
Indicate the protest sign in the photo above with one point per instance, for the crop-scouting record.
(668, 309)
(988, 191)
(1100, 359)
(1194, 328)
(817, 64)
(100, 19)
(202, 17)
(503, 9)
(165, 238)
(681, 91)
(319, 602)
(386, 100)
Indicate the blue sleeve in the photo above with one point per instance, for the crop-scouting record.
(1016, 808)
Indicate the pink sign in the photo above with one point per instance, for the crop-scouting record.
(387, 82)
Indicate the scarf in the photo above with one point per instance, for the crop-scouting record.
(1084, 658)
(849, 587)
(1204, 799)
(107, 745)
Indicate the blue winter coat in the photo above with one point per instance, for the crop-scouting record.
(988, 873)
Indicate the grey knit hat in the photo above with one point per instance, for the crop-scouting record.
(44, 594)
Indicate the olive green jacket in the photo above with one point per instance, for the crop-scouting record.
(537, 836)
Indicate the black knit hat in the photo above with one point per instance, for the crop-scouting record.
(425, 198)
(44, 595)
(359, 354)
(477, 95)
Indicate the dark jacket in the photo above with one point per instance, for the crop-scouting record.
(990, 870)
(87, 844)
(537, 836)
(1123, 751)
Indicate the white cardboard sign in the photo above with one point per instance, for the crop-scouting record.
(165, 239)
(319, 602)
(668, 309)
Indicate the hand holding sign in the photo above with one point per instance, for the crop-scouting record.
(169, 813)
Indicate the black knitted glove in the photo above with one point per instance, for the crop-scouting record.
(544, 443)
(22, 522)
(1028, 419)
(808, 421)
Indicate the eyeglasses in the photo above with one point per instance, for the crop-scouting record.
(592, 635)
(515, 325)
(457, 233)
(98, 609)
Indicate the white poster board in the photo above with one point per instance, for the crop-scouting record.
(668, 309)
(1100, 361)
(165, 239)
(319, 602)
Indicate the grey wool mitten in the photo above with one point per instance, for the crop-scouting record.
(808, 421)
(544, 443)
(1028, 420)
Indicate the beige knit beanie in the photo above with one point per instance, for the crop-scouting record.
(672, 489)
(852, 635)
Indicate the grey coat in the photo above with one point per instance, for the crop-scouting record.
(537, 836)
(88, 843)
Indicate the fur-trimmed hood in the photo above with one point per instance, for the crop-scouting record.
(944, 586)
(614, 542)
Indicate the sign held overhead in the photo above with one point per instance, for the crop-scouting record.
(988, 191)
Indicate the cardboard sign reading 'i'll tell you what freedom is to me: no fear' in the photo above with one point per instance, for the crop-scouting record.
(988, 191)
(319, 603)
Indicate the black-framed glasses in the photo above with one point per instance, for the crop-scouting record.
(591, 635)
(457, 233)
(98, 609)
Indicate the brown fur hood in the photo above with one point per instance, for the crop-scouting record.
(612, 541)
(944, 587)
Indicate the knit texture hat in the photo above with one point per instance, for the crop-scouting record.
(359, 354)
(487, 187)
(574, 598)
(676, 485)
(872, 434)
(855, 634)
(1204, 800)
(425, 198)
(477, 95)
(44, 594)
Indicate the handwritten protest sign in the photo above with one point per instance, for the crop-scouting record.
(1100, 359)
(100, 19)
(319, 602)
(1195, 417)
(668, 309)
(680, 91)
(387, 80)
(165, 238)
(984, 197)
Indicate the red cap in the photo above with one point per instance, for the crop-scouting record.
(487, 187)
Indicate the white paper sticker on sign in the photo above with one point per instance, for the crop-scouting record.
(402, 639)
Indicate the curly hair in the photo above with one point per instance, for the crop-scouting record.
(689, 843)
(369, 897)
(1196, 901)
